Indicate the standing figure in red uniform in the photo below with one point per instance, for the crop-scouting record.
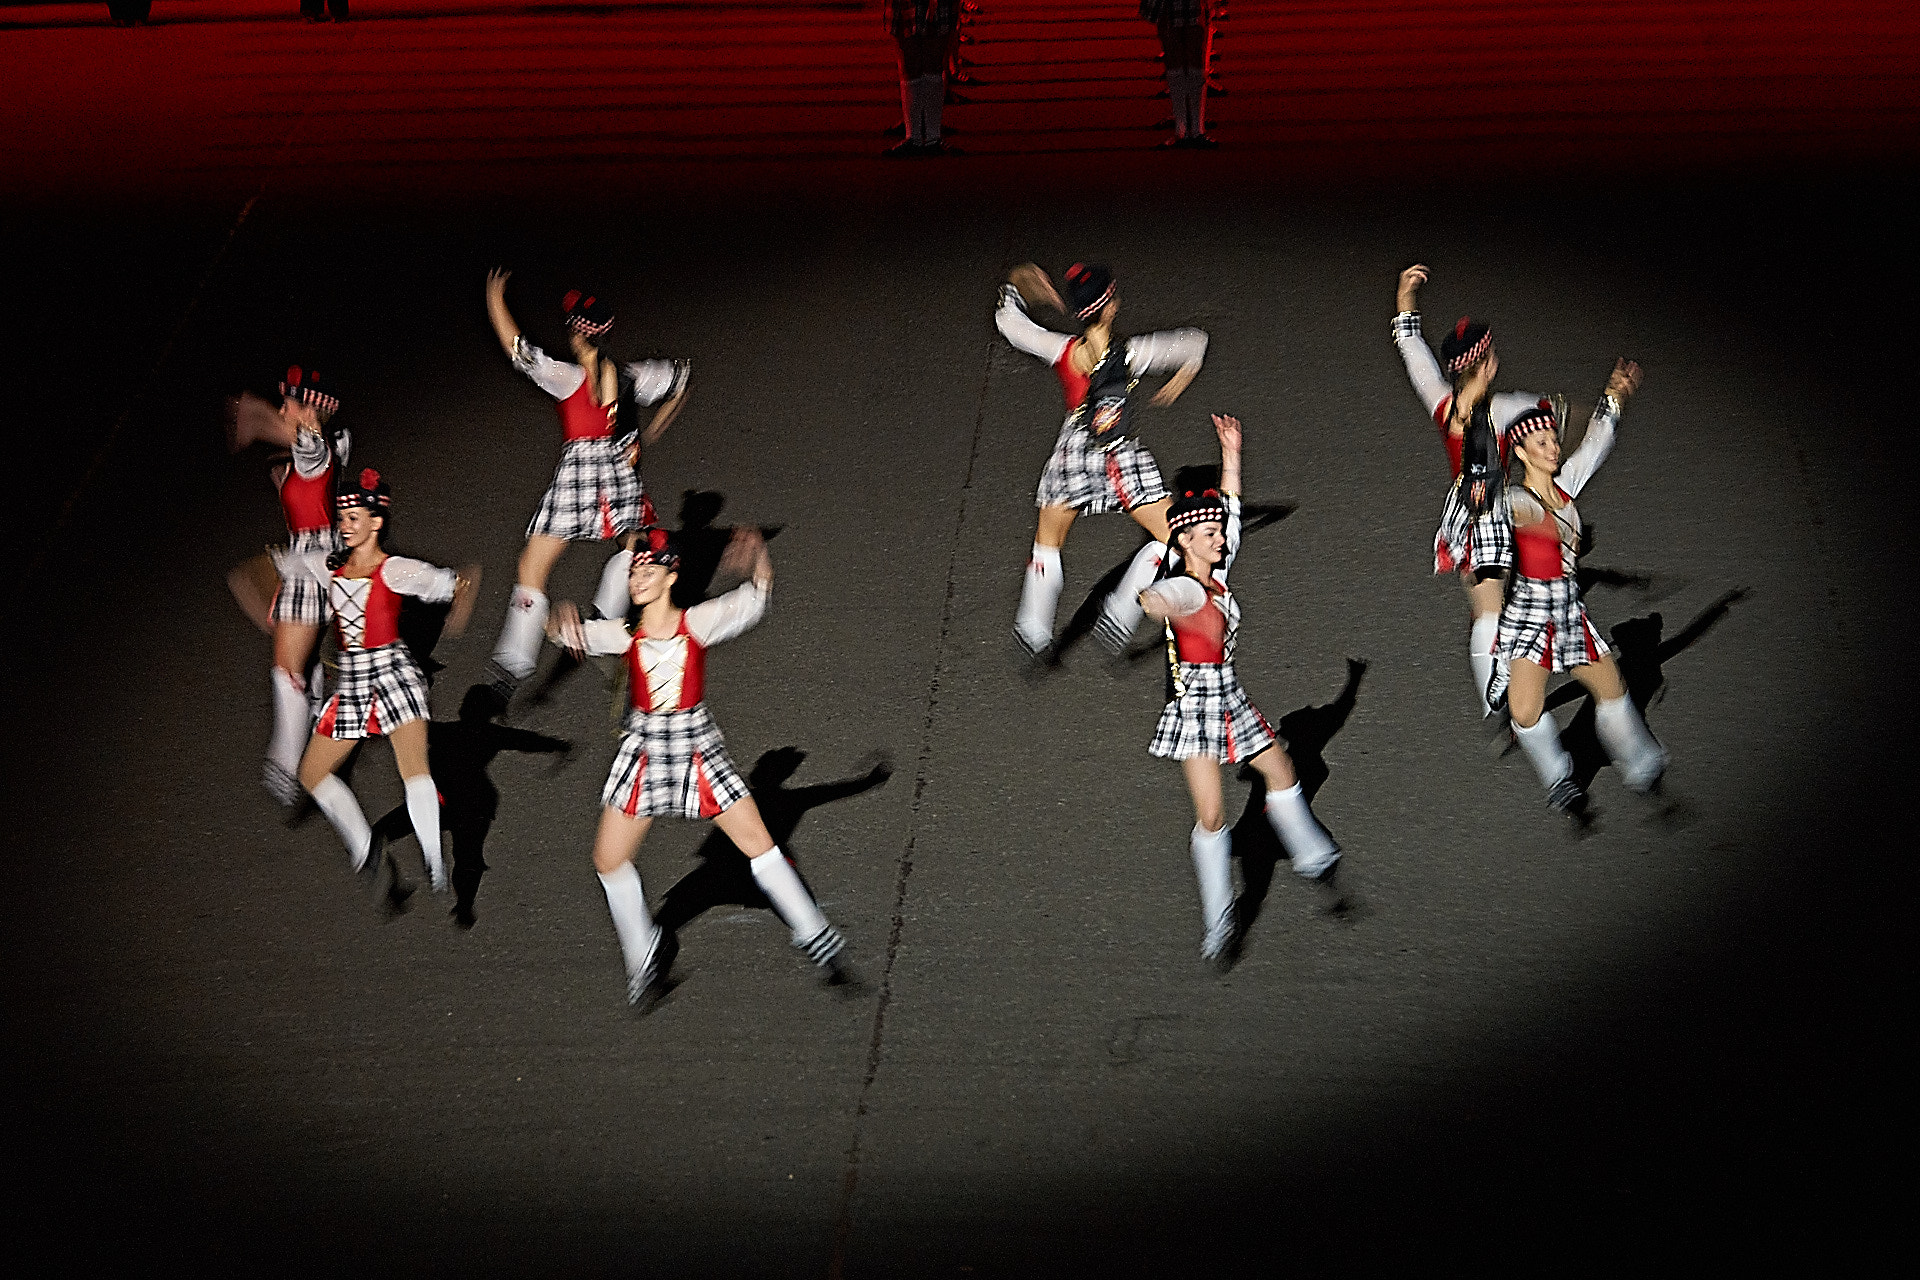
(1544, 626)
(1475, 538)
(1209, 720)
(596, 493)
(1097, 465)
(673, 760)
(302, 425)
(381, 689)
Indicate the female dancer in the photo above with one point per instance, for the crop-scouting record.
(1186, 40)
(1475, 538)
(1209, 720)
(1096, 465)
(1544, 625)
(673, 759)
(923, 31)
(596, 493)
(381, 689)
(302, 425)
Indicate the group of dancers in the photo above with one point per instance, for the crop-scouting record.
(1513, 542)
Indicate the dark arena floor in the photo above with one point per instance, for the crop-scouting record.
(1673, 1042)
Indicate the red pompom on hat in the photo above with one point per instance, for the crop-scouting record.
(372, 494)
(657, 548)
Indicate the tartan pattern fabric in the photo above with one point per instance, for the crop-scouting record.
(1464, 542)
(300, 599)
(594, 496)
(1407, 325)
(1545, 622)
(1094, 481)
(672, 763)
(1212, 717)
(375, 692)
(907, 19)
(1177, 13)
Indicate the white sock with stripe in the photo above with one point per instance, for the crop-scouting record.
(1309, 848)
(518, 648)
(1039, 597)
(1640, 759)
(627, 903)
(291, 726)
(423, 806)
(1541, 742)
(781, 883)
(1486, 629)
(1214, 871)
(343, 811)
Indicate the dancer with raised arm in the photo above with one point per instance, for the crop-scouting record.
(1097, 465)
(596, 493)
(381, 689)
(672, 759)
(303, 425)
(1544, 626)
(1209, 720)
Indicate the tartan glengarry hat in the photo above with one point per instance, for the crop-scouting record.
(1539, 418)
(1089, 288)
(586, 315)
(1196, 508)
(656, 547)
(371, 493)
(304, 386)
(1466, 344)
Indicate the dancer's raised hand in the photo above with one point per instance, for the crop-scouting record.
(1410, 281)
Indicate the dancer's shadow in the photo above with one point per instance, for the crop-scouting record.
(702, 545)
(1640, 654)
(1307, 733)
(724, 877)
(459, 754)
(1254, 516)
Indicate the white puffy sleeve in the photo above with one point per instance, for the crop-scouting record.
(656, 380)
(1175, 597)
(1508, 405)
(1165, 351)
(1524, 507)
(554, 377)
(1423, 369)
(1011, 319)
(1233, 537)
(312, 454)
(607, 635)
(727, 615)
(417, 578)
(1579, 467)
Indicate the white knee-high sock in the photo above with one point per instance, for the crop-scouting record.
(518, 648)
(291, 727)
(423, 806)
(1214, 871)
(931, 91)
(781, 883)
(1542, 745)
(1309, 848)
(1039, 597)
(628, 905)
(1197, 98)
(910, 109)
(1121, 612)
(1177, 98)
(343, 811)
(1640, 758)
(612, 598)
(1486, 629)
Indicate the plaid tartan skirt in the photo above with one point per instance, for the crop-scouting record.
(594, 496)
(1545, 622)
(301, 599)
(672, 763)
(907, 19)
(1467, 543)
(1212, 717)
(1094, 481)
(375, 692)
(1176, 13)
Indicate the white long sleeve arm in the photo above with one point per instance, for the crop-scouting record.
(726, 616)
(419, 579)
(1423, 368)
(1011, 319)
(1579, 466)
(1165, 351)
(656, 380)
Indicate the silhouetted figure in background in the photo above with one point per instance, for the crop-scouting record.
(1186, 38)
(324, 10)
(924, 31)
(127, 12)
(1307, 733)
(724, 877)
(459, 754)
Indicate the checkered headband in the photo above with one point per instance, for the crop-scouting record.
(1538, 418)
(1089, 288)
(304, 386)
(585, 315)
(371, 493)
(656, 547)
(1196, 508)
(1466, 344)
